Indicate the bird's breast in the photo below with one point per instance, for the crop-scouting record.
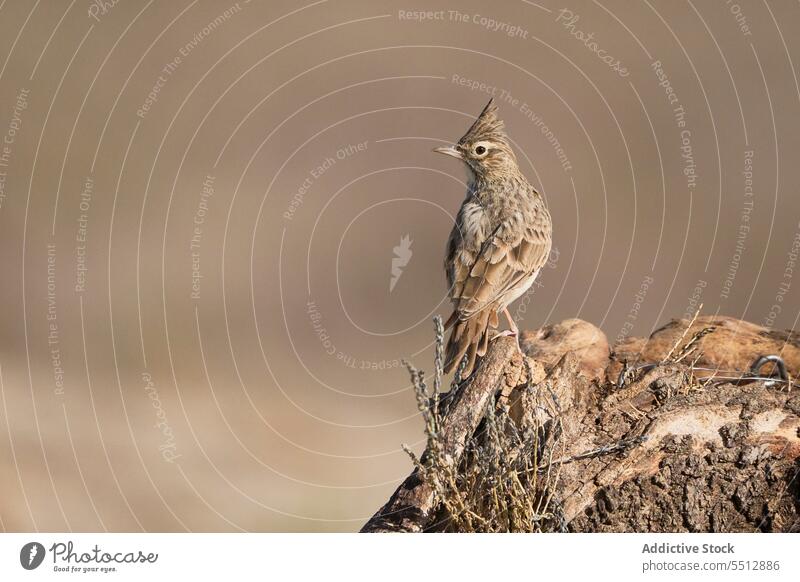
(474, 226)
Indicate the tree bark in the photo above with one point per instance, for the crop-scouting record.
(410, 507)
(671, 450)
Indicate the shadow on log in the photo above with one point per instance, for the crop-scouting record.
(690, 442)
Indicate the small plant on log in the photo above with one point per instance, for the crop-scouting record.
(501, 484)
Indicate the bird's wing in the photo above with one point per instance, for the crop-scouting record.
(505, 260)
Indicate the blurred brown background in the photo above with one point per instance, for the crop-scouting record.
(201, 202)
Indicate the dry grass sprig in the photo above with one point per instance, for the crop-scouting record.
(502, 482)
(690, 346)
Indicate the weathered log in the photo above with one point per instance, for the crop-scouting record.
(719, 458)
(730, 345)
(589, 344)
(410, 506)
(668, 451)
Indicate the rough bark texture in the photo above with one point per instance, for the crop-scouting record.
(410, 507)
(732, 344)
(669, 451)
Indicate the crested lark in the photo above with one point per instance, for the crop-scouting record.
(500, 241)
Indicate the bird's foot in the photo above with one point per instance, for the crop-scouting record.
(510, 333)
(507, 333)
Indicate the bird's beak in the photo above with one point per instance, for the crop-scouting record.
(449, 151)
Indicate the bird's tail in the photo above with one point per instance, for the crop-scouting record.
(469, 337)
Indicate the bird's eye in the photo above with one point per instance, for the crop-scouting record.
(480, 150)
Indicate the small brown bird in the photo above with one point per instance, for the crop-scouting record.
(500, 241)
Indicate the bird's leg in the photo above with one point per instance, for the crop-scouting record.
(511, 324)
(513, 331)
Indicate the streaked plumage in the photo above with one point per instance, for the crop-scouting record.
(500, 241)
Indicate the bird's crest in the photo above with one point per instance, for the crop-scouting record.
(488, 127)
